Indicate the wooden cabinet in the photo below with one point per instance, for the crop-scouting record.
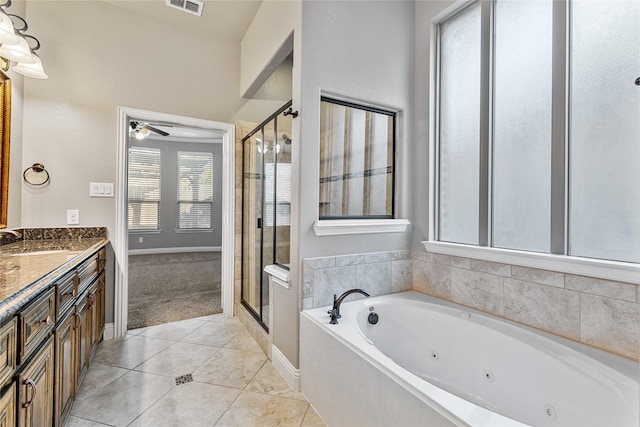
(65, 378)
(46, 347)
(35, 389)
(8, 407)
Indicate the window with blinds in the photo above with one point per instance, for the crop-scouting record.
(144, 189)
(195, 190)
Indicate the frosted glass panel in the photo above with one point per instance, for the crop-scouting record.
(604, 164)
(460, 127)
(522, 125)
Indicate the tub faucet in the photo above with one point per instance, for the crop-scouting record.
(335, 311)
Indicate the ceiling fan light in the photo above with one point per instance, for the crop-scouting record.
(20, 52)
(34, 70)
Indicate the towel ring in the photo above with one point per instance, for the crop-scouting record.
(39, 175)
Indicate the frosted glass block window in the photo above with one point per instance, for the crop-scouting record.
(522, 125)
(460, 127)
(195, 190)
(143, 189)
(604, 180)
(538, 127)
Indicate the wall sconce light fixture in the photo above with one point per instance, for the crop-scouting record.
(17, 46)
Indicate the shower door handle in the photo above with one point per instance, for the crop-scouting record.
(259, 222)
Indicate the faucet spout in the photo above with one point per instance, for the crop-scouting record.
(337, 301)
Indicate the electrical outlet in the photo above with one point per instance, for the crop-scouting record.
(73, 217)
(140, 239)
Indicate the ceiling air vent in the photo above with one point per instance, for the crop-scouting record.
(190, 6)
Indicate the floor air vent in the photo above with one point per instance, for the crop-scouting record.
(190, 6)
(183, 379)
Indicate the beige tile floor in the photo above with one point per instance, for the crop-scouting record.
(132, 380)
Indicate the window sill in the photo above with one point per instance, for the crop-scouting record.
(602, 269)
(336, 227)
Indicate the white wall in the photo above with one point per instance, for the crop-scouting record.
(98, 57)
(362, 50)
(267, 42)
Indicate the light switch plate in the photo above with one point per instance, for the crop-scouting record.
(73, 217)
(101, 189)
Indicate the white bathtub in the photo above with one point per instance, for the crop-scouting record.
(430, 362)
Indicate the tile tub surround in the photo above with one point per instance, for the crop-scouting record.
(600, 313)
(378, 273)
(29, 266)
(132, 380)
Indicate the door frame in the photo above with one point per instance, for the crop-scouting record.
(120, 241)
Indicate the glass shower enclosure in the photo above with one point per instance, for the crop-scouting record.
(266, 208)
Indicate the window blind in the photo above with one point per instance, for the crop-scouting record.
(195, 190)
(144, 188)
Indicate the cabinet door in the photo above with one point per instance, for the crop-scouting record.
(82, 332)
(35, 389)
(101, 303)
(65, 368)
(93, 315)
(8, 407)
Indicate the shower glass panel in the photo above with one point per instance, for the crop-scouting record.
(266, 207)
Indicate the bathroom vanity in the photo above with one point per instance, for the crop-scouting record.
(52, 316)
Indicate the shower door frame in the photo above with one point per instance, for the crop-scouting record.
(259, 317)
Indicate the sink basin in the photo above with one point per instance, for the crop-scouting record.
(39, 252)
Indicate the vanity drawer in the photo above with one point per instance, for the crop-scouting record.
(8, 343)
(36, 321)
(66, 292)
(87, 272)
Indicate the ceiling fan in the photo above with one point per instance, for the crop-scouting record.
(142, 130)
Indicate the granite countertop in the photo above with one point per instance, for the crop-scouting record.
(28, 266)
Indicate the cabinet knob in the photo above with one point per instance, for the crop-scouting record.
(29, 383)
(47, 321)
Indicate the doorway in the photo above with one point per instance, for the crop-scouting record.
(120, 241)
(174, 248)
(266, 208)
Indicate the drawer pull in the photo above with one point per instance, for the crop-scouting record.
(73, 293)
(47, 321)
(29, 382)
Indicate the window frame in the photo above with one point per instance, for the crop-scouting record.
(377, 110)
(558, 259)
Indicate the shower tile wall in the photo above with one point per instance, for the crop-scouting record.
(601, 313)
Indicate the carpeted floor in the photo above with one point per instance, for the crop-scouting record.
(169, 287)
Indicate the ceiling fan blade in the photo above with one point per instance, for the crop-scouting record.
(158, 131)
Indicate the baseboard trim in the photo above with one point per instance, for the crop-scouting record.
(109, 331)
(289, 372)
(155, 251)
